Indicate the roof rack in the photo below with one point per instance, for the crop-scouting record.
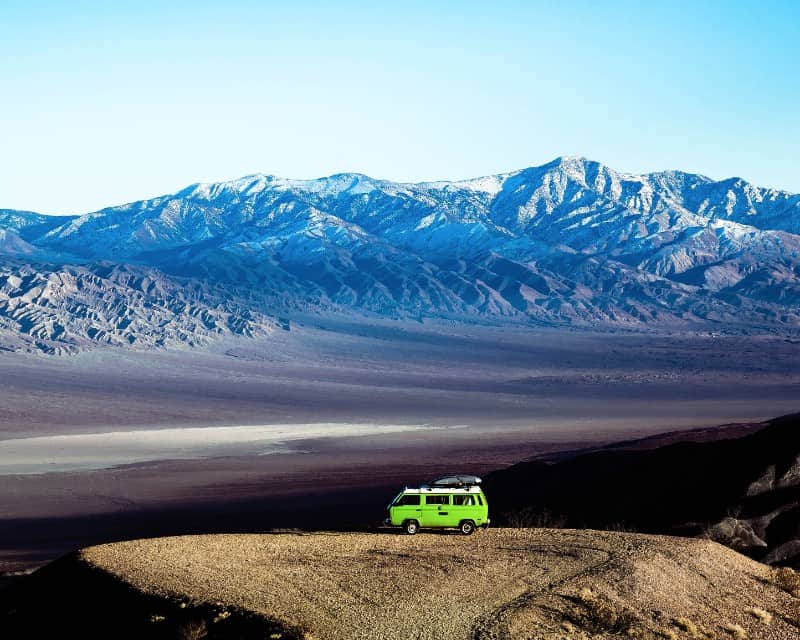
(427, 489)
(453, 482)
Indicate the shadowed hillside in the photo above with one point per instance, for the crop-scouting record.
(744, 492)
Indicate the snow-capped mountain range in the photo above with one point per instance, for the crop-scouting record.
(571, 242)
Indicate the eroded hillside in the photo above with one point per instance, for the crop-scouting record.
(571, 242)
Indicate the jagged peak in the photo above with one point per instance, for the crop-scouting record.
(581, 169)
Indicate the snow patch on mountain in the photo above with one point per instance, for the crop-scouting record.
(571, 242)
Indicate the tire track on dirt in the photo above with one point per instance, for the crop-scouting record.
(499, 585)
(493, 626)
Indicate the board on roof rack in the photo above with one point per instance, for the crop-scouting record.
(455, 481)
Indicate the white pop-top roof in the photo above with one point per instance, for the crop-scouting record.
(471, 489)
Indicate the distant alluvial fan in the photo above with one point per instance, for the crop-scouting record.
(572, 242)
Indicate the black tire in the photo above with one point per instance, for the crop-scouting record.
(467, 527)
(411, 527)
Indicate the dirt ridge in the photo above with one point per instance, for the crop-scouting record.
(497, 584)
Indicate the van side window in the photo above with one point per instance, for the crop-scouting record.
(464, 501)
(407, 499)
(480, 500)
(437, 500)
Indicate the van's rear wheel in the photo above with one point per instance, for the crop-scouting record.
(467, 527)
(411, 527)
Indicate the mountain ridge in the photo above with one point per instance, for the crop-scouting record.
(464, 182)
(571, 242)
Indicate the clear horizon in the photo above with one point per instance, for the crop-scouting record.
(106, 105)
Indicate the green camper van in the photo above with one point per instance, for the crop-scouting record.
(455, 502)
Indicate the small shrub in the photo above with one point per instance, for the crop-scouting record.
(788, 580)
(222, 615)
(684, 624)
(193, 630)
(602, 615)
(764, 617)
(735, 630)
(532, 518)
(586, 595)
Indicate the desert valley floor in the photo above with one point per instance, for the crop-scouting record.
(398, 402)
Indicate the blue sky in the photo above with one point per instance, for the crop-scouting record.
(104, 103)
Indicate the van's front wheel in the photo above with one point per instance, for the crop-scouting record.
(467, 527)
(411, 527)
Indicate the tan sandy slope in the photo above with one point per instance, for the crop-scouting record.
(502, 583)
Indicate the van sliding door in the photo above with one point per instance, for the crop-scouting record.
(436, 511)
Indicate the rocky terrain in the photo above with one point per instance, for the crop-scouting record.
(59, 309)
(572, 242)
(523, 583)
(742, 491)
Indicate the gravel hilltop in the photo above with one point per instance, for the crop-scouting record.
(501, 583)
